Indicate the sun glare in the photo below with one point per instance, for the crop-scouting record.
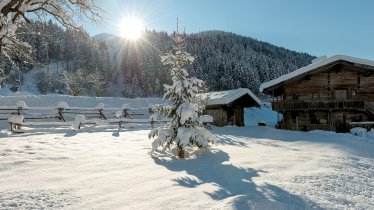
(131, 28)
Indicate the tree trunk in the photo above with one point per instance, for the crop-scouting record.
(180, 152)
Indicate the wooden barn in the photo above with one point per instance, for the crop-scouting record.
(227, 107)
(329, 94)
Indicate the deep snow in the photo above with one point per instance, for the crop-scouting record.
(250, 168)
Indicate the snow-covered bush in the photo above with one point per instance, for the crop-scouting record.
(119, 114)
(62, 105)
(125, 106)
(16, 119)
(21, 105)
(184, 130)
(79, 119)
(359, 131)
(100, 106)
(370, 134)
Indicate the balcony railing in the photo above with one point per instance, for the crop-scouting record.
(318, 105)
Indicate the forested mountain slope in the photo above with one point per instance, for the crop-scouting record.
(224, 60)
(107, 65)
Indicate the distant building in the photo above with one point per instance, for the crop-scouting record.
(227, 107)
(329, 94)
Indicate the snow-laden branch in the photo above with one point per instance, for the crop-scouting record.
(15, 12)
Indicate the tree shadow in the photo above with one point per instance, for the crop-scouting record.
(115, 134)
(230, 140)
(234, 183)
(70, 134)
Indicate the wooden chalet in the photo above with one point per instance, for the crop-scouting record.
(329, 94)
(227, 107)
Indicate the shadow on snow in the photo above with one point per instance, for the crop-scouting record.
(68, 132)
(234, 183)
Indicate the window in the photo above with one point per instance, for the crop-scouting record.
(356, 118)
(313, 119)
(315, 95)
(353, 92)
(295, 97)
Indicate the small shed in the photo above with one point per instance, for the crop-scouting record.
(227, 107)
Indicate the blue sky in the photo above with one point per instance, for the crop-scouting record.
(318, 27)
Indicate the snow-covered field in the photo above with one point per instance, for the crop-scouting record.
(249, 168)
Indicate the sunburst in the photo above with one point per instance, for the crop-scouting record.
(131, 28)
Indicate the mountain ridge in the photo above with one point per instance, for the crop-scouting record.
(104, 36)
(224, 60)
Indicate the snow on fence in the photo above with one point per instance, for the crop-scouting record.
(20, 115)
(75, 117)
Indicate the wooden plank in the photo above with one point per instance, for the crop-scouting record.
(362, 123)
(47, 123)
(129, 120)
(324, 83)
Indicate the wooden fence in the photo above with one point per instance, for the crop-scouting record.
(22, 115)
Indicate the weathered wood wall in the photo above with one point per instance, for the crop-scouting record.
(219, 116)
(325, 85)
(226, 115)
(322, 120)
(337, 82)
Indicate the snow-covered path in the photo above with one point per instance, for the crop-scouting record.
(251, 167)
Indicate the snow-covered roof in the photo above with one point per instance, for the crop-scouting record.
(319, 62)
(228, 96)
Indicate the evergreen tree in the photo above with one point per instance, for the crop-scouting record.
(184, 130)
(157, 87)
(42, 82)
(96, 82)
(134, 87)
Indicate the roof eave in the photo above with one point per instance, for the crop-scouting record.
(330, 61)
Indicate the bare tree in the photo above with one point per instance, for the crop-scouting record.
(16, 12)
(74, 82)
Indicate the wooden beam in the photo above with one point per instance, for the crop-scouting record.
(297, 122)
(307, 120)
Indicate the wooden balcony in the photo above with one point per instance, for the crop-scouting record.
(282, 106)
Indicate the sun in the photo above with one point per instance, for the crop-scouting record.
(131, 28)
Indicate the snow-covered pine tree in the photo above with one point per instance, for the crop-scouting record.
(96, 82)
(42, 82)
(184, 130)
